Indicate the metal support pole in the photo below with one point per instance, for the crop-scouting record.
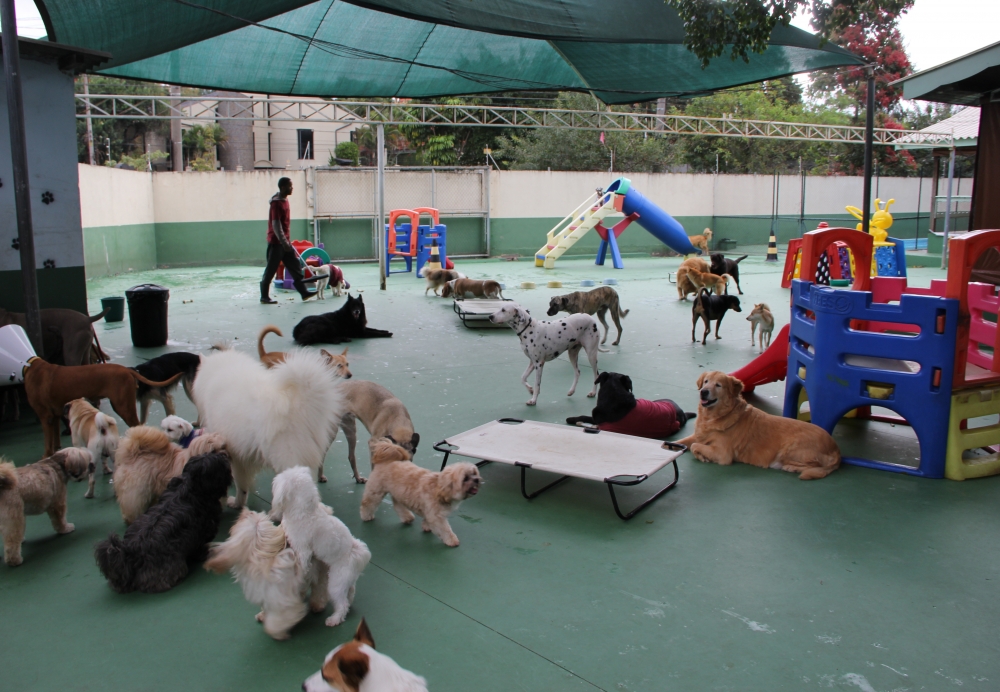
(947, 209)
(90, 122)
(177, 136)
(380, 195)
(488, 173)
(19, 164)
(802, 199)
(866, 209)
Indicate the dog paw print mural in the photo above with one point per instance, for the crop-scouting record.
(49, 264)
(48, 197)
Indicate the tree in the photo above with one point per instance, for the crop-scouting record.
(201, 142)
(123, 137)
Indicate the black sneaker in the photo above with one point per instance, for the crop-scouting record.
(268, 301)
(307, 296)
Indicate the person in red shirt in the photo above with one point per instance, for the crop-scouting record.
(279, 247)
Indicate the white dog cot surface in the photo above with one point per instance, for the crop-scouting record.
(572, 452)
(476, 312)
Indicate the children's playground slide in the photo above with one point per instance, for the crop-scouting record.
(769, 366)
(620, 197)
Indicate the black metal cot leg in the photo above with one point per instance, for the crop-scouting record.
(532, 496)
(638, 479)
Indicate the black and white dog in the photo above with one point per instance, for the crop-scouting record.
(349, 322)
(163, 368)
(544, 341)
(160, 546)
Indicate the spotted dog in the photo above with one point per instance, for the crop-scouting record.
(544, 341)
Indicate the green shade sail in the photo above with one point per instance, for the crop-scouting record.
(622, 51)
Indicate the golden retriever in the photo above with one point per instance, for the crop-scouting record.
(695, 274)
(729, 429)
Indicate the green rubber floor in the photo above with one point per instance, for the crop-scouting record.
(738, 579)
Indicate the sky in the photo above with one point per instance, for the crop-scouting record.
(934, 31)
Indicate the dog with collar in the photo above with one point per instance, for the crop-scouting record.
(544, 341)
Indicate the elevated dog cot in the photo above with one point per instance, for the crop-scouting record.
(475, 313)
(572, 452)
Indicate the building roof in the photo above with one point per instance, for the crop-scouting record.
(962, 81)
(69, 58)
(963, 127)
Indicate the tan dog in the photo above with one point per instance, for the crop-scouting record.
(437, 278)
(694, 275)
(701, 241)
(51, 387)
(37, 488)
(761, 317)
(479, 289)
(96, 431)
(146, 462)
(270, 359)
(382, 414)
(729, 429)
(416, 490)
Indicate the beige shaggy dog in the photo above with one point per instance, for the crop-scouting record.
(438, 278)
(694, 274)
(146, 462)
(479, 289)
(96, 431)
(37, 488)
(701, 241)
(416, 490)
(761, 317)
(337, 363)
(729, 429)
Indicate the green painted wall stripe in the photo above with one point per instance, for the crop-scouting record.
(109, 250)
(62, 287)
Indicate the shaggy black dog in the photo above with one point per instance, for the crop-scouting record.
(707, 307)
(159, 547)
(337, 327)
(163, 368)
(722, 265)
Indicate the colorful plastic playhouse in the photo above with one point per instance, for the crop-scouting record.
(620, 197)
(309, 256)
(925, 354)
(412, 241)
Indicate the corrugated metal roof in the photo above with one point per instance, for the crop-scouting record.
(963, 126)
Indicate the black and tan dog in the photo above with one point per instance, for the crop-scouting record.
(710, 307)
(618, 410)
(600, 301)
(723, 265)
(162, 368)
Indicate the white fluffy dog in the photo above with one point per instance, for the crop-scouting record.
(277, 418)
(416, 490)
(314, 534)
(96, 431)
(176, 428)
(269, 572)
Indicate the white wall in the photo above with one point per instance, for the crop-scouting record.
(225, 196)
(115, 197)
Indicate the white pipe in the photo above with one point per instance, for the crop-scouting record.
(947, 209)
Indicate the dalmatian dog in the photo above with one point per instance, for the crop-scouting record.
(543, 341)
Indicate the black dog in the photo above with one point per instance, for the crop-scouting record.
(721, 265)
(160, 546)
(163, 368)
(337, 327)
(619, 411)
(708, 307)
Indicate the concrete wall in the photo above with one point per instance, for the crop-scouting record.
(118, 220)
(50, 122)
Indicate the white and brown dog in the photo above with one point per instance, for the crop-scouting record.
(357, 667)
(96, 431)
(330, 275)
(544, 341)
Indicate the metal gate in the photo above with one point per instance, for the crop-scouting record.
(350, 193)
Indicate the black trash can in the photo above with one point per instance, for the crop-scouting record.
(147, 314)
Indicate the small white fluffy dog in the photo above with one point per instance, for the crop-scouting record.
(269, 572)
(314, 534)
(96, 431)
(357, 667)
(278, 418)
(145, 463)
(416, 490)
(176, 428)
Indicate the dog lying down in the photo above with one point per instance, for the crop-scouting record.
(357, 667)
(729, 429)
(618, 411)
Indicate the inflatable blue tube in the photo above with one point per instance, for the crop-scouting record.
(657, 222)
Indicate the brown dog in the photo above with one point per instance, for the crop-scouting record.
(436, 278)
(480, 289)
(729, 429)
(337, 363)
(51, 387)
(701, 241)
(68, 336)
(694, 275)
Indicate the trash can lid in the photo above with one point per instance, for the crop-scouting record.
(148, 287)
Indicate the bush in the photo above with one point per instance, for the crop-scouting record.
(347, 150)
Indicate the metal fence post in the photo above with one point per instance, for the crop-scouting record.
(383, 261)
(487, 173)
(947, 209)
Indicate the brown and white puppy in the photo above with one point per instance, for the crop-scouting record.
(337, 363)
(729, 429)
(761, 317)
(694, 275)
(479, 289)
(357, 667)
(416, 490)
(96, 431)
(146, 462)
(701, 241)
(437, 278)
(37, 488)
(382, 414)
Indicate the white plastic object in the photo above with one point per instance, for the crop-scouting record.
(15, 352)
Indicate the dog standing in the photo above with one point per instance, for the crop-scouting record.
(729, 429)
(600, 300)
(416, 490)
(479, 289)
(159, 547)
(710, 307)
(339, 363)
(357, 667)
(761, 317)
(723, 265)
(68, 336)
(330, 275)
(437, 278)
(96, 431)
(162, 368)
(694, 274)
(350, 321)
(701, 241)
(37, 488)
(314, 534)
(544, 341)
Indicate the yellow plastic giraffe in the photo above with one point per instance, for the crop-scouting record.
(880, 222)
